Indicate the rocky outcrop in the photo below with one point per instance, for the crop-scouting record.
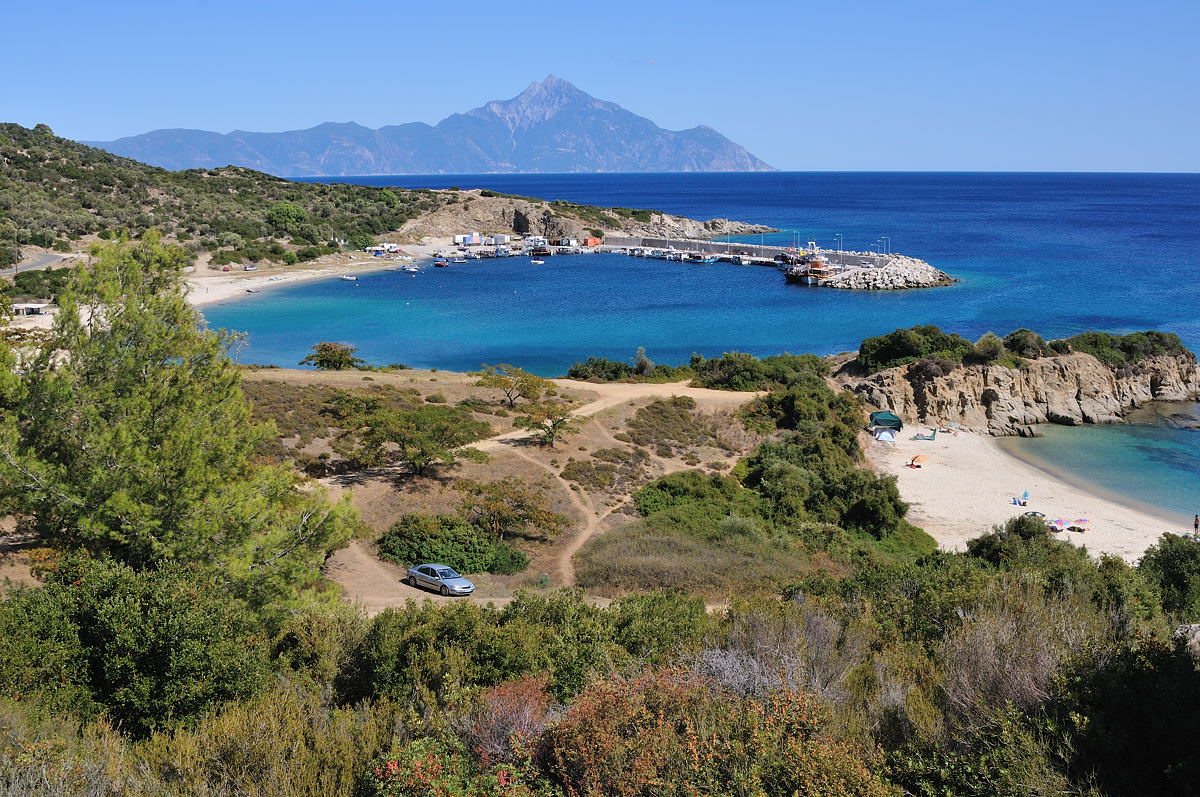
(473, 211)
(1070, 389)
(899, 273)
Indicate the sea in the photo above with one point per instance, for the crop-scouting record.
(1056, 253)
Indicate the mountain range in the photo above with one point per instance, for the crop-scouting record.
(551, 126)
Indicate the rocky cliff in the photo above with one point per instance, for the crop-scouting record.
(478, 211)
(1070, 389)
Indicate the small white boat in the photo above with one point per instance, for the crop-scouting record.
(459, 260)
(412, 269)
(348, 277)
(537, 262)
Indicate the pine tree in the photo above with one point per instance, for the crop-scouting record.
(127, 434)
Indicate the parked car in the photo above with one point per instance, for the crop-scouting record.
(442, 578)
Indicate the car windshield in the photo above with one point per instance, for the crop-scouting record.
(446, 572)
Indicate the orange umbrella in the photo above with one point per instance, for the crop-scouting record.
(920, 458)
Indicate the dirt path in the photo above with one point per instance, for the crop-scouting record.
(377, 585)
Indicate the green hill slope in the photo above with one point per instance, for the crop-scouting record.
(53, 190)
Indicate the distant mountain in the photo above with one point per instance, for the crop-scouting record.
(552, 126)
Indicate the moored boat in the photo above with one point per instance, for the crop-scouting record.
(440, 264)
(348, 277)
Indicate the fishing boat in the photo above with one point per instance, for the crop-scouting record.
(441, 264)
(537, 262)
(459, 260)
(348, 277)
(540, 251)
(411, 269)
(813, 270)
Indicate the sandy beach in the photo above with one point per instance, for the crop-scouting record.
(207, 285)
(968, 483)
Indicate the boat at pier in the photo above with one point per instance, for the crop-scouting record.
(813, 269)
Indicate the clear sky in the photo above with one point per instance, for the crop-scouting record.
(1039, 85)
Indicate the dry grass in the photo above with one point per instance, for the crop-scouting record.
(635, 558)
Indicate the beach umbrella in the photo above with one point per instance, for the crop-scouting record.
(1025, 496)
(1057, 523)
(919, 458)
(1080, 521)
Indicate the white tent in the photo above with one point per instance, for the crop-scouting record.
(885, 435)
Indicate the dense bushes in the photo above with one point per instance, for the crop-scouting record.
(930, 343)
(449, 540)
(145, 650)
(1118, 350)
(52, 188)
(640, 369)
(741, 371)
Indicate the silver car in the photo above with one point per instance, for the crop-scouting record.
(440, 577)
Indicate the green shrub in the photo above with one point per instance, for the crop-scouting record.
(148, 650)
(1119, 350)
(448, 540)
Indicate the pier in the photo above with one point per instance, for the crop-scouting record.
(753, 254)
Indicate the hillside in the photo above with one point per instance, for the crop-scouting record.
(55, 192)
(552, 126)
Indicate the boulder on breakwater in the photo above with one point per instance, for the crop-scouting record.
(899, 273)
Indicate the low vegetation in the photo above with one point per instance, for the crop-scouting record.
(182, 640)
(1013, 351)
(53, 191)
(802, 499)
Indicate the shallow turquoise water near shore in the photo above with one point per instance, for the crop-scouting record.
(1154, 466)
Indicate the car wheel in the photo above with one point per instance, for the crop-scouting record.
(445, 592)
(410, 581)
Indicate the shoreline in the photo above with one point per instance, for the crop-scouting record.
(968, 482)
(209, 287)
(1080, 483)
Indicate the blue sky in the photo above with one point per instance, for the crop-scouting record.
(1055, 85)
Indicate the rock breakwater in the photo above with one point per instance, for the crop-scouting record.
(1070, 389)
(899, 273)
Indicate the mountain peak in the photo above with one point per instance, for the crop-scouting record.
(551, 126)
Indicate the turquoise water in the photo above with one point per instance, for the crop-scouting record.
(1057, 253)
(1156, 466)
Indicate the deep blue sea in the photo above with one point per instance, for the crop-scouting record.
(1057, 253)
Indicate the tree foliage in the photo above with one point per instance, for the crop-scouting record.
(127, 435)
(419, 438)
(508, 507)
(515, 383)
(328, 356)
(145, 650)
(548, 420)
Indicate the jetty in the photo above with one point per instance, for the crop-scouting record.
(847, 270)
